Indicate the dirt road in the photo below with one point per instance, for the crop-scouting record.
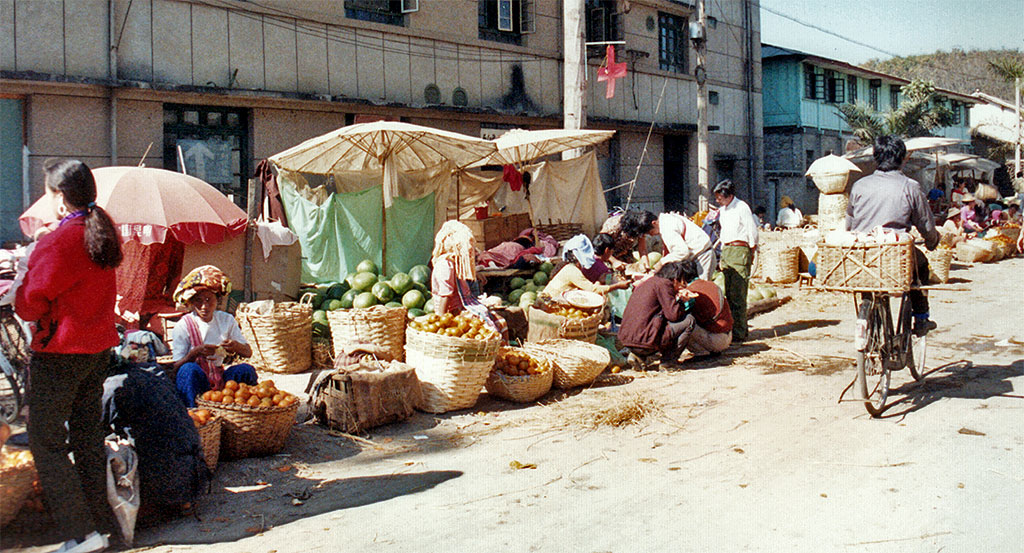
(749, 452)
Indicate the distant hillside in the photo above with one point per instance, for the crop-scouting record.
(956, 70)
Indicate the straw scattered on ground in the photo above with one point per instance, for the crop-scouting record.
(612, 411)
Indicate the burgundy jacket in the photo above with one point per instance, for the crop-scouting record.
(70, 297)
(710, 308)
(652, 305)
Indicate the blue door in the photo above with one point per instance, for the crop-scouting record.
(10, 169)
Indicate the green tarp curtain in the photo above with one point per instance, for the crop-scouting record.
(346, 228)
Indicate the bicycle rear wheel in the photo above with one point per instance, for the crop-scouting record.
(912, 347)
(10, 392)
(872, 376)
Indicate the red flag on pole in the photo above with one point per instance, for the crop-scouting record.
(611, 71)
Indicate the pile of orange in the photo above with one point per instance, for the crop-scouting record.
(566, 311)
(517, 363)
(264, 394)
(462, 325)
(200, 416)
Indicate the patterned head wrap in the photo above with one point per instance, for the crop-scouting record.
(582, 249)
(206, 277)
(455, 241)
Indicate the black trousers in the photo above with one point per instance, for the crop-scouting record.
(68, 388)
(918, 299)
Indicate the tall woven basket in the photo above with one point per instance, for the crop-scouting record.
(209, 438)
(576, 363)
(379, 325)
(280, 339)
(15, 487)
(831, 183)
(939, 262)
(832, 211)
(779, 263)
(252, 431)
(452, 370)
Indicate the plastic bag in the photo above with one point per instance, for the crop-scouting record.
(123, 484)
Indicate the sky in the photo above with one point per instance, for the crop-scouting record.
(903, 27)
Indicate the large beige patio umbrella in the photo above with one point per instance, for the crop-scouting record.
(916, 144)
(519, 146)
(390, 146)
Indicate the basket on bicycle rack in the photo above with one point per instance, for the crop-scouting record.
(860, 267)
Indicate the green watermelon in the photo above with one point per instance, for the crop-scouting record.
(414, 299)
(754, 295)
(653, 258)
(420, 274)
(414, 312)
(347, 298)
(516, 283)
(318, 299)
(429, 306)
(392, 304)
(333, 305)
(547, 267)
(364, 282)
(383, 292)
(367, 266)
(336, 290)
(540, 278)
(514, 295)
(321, 330)
(530, 286)
(421, 287)
(320, 316)
(400, 283)
(350, 279)
(363, 300)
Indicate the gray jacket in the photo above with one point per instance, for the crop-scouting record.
(890, 199)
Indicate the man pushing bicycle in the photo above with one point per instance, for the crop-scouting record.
(889, 199)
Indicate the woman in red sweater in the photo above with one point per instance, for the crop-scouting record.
(69, 293)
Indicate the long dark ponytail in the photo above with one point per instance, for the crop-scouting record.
(74, 180)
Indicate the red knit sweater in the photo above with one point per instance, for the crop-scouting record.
(70, 297)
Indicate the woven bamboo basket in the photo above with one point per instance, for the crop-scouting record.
(383, 326)
(252, 431)
(939, 262)
(561, 231)
(323, 354)
(209, 438)
(831, 183)
(866, 267)
(832, 212)
(521, 389)
(15, 487)
(452, 370)
(584, 329)
(280, 339)
(779, 263)
(576, 363)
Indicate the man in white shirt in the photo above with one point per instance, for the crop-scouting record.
(682, 238)
(739, 240)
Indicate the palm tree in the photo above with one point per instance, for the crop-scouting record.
(916, 115)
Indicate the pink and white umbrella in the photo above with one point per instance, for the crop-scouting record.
(147, 204)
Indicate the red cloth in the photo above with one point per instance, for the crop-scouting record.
(652, 305)
(70, 297)
(513, 177)
(271, 192)
(147, 275)
(710, 309)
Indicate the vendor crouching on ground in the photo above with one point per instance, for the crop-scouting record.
(655, 319)
(203, 337)
(712, 333)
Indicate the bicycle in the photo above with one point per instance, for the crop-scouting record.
(14, 358)
(881, 349)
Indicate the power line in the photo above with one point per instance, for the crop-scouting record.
(860, 43)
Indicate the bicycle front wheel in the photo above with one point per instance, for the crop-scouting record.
(872, 376)
(913, 347)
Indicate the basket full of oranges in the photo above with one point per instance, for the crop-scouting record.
(518, 376)
(256, 419)
(452, 355)
(208, 426)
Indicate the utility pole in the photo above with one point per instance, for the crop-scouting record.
(1016, 141)
(574, 75)
(700, 41)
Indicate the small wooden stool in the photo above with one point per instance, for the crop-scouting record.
(805, 278)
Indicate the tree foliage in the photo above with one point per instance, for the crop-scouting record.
(916, 115)
(957, 70)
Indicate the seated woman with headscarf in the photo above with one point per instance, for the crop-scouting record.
(579, 257)
(204, 337)
(454, 268)
(789, 216)
(974, 215)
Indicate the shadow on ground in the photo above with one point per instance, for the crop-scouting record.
(793, 327)
(961, 379)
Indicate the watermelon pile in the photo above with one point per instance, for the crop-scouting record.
(366, 287)
(523, 292)
(755, 291)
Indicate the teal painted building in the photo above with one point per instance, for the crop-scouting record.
(801, 98)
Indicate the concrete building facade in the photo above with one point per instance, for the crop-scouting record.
(216, 85)
(802, 95)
